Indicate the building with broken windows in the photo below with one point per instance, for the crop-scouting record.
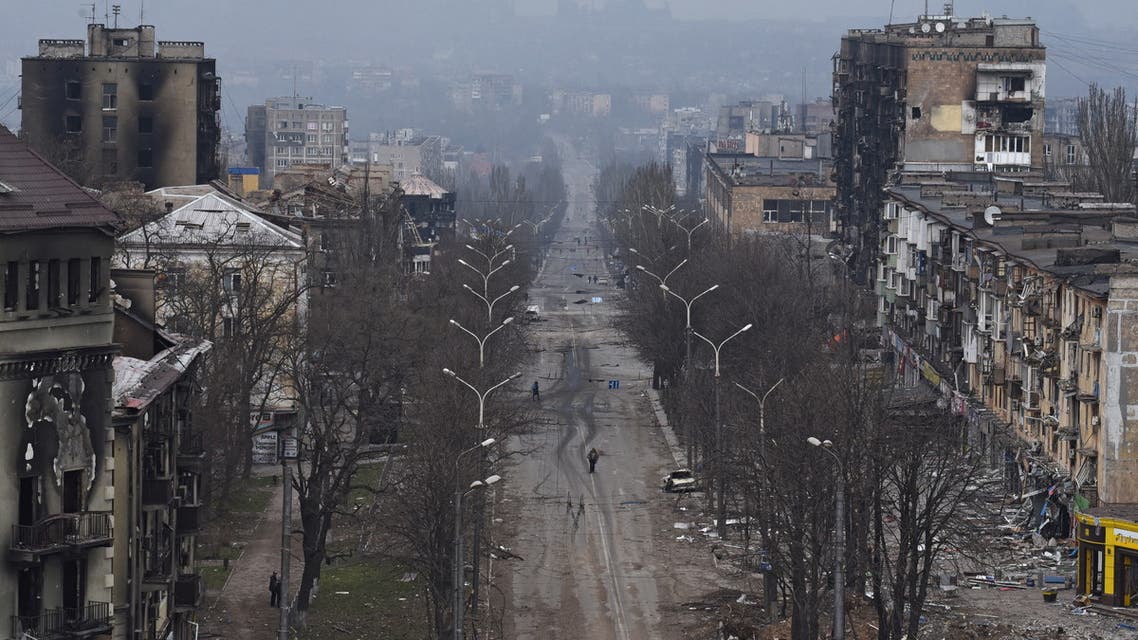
(1017, 299)
(746, 194)
(942, 93)
(56, 353)
(123, 105)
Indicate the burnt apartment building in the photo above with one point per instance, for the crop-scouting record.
(56, 354)
(939, 94)
(124, 106)
(289, 131)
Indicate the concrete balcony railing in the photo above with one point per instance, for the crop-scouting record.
(156, 492)
(188, 591)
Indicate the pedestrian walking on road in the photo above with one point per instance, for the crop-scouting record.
(592, 457)
(536, 391)
(274, 590)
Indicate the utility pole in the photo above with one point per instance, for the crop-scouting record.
(286, 542)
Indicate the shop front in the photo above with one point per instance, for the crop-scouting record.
(1108, 557)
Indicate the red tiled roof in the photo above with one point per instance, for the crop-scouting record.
(36, 195)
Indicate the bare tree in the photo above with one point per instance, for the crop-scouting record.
(1109, 134)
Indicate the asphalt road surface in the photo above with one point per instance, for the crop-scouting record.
(591, 567)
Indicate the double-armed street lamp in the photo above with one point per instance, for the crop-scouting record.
(481, 394)
(720, 476)
(663, 281)
(690, 231)
(489, 303)
(688, 302)
(459, 570)
(764, 532)
(839, 538)
(490, 258)
(482, 340)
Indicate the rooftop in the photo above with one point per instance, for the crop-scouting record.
(36, 195)
(751, 171)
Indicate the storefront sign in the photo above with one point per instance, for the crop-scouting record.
(1123, 536)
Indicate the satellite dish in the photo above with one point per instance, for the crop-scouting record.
(925, 27)
(940, 27)
(992, 215)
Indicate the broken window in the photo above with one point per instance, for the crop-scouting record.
(916, 112)
(32, 295)
(74, 90)
(73, 281)
(1015, 84)
(110, 128)
(1018, 113)
(53, 288)
(95, 284)
(145, 158)
(145, 91)
(73, 124)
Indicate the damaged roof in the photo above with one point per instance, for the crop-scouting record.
(139, 382)
(213, 219)
(36, 195)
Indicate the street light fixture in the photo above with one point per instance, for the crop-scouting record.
(486, 276)
(482, 341)
(687, 350)
(764, 532)
(690, 231)
(721, 525)
(839, 537)
(489, 303)
(490, 259)
(459, 583)
(481, 395)
(663, 281)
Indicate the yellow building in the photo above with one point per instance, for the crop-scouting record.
(1108, 555)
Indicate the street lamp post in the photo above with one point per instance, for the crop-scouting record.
(663, 281)
(840, 539)
(687, 354)
(689, 231)
(764, 532)
(486, 276)
(720, 476)
(489, 303)
(482, 340)
(490, 259)
(459, 600)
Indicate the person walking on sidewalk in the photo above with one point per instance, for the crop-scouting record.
(274, 590)
(592, 457)
(536, 391)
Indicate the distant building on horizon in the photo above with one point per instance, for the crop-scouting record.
(294, 130)
(124, 106)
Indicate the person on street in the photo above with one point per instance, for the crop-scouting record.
(274, 590)
(592, 457)
(536, 391)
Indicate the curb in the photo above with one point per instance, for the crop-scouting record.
(678, 455)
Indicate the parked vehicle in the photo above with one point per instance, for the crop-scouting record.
(680, 480)
(533, 313)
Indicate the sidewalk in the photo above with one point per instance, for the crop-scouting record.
(241, 611)
(678, 454)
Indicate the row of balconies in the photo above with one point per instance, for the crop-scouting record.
(76, 532)
(56, 624)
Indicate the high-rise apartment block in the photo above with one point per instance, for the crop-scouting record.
(124, 106)
(939, 94)
(290, 131)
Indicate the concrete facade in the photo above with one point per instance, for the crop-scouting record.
(124, 107)
(746, 194)
(938, 94)
(289, 131)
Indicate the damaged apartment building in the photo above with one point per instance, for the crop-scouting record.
(96, 427)
(942, 93)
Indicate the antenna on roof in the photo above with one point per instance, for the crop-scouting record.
(141, 11)
(116, 9)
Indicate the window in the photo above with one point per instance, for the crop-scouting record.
(282, 151)
(328, 138)
(11, 286)
(1015, 84)
(298, 125)
(329, 278)
(145, 124)
(327, 126)
(145, 158)
(73, 124)
(227, 327)
(95, 283)
(110, 128)
(1047, 149)
(120, 42)
(312, 126)
(890, 245)
(73, 282)
(231, 282)
(73, 89)
(32, 295)
(326, 152)
(916, 113)
(173, 279)
(282, 163)
(282, 124)
(770, 210)
(53, 284)
(110, 96)
(312, 138)
(145, 91)
(1070, 154)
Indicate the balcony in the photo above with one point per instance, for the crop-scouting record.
(65, 623)
(191, 452)
(188, 590)
(59, 533)
(157, 492)
(157, 574)
(189, 519)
